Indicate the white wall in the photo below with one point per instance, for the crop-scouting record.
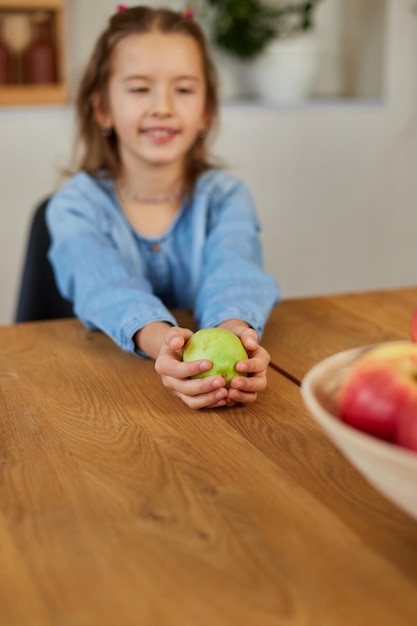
(333, 181)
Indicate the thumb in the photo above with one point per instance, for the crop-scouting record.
(177, 337)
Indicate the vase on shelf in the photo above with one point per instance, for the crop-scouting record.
(40, 55)
(6, 60)
(286, 72)
(16, 35)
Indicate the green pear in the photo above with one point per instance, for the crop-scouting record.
(221, 347)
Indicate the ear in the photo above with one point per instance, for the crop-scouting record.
(101, 114)
(207, 121)
(206, 128)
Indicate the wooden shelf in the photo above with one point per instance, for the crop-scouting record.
(27, 94)
(32, 5)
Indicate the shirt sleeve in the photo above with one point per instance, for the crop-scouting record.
(107, 290)
(233, 282)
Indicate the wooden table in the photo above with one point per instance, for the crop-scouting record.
(301, 332)
(121, 506)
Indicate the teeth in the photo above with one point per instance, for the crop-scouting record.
(160, 132)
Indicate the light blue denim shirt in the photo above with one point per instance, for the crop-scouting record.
(209, 260)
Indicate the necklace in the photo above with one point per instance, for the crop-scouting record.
(131, 195)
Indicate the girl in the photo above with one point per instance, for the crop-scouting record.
(148, 223)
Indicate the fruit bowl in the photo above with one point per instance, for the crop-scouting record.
(389, 468)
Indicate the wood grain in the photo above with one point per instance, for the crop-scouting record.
(119, 505)
(301, 332)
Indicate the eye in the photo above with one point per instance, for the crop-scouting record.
(139, 89)
(184, 90)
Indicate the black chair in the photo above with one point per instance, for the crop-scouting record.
(39, 298)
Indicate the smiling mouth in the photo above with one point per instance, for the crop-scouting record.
(159, 133)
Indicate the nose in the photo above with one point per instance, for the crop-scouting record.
(161, 105)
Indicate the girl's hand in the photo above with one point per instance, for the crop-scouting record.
(197, 393)
(246, 389)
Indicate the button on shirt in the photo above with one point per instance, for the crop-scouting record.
(209, 260)
(159, 264)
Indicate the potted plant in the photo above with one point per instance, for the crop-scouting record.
(264, 37)
(244, 28)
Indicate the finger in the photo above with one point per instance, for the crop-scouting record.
(213, 399)
(254, 365)
(176, 337)
(249, 340)
(197, 386)
(250, 384)
(171, 365)
(241, 397)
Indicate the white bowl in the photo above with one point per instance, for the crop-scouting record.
(388, 467)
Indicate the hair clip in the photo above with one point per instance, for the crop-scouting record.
(188, 14)
(121, 7)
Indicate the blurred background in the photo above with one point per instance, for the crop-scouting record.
(318, 115)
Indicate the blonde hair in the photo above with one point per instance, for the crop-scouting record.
(100, 155)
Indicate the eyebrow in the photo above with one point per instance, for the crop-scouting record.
(188, 77)
(148, 78)
(135, 77)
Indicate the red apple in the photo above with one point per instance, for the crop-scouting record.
(379, 395)
(407, 429)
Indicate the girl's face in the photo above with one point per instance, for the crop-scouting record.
(156, 99)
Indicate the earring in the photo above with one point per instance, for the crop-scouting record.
(106, 132)
(203, 133)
